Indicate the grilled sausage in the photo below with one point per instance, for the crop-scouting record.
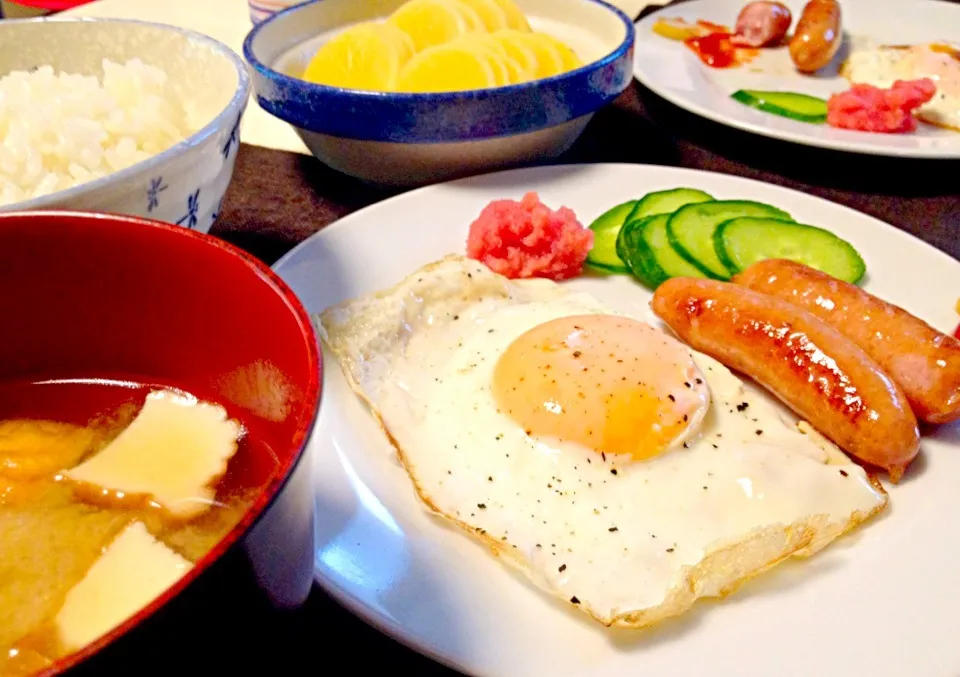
(823, 376)
(817, 37)
(761, 24)
(924, 362)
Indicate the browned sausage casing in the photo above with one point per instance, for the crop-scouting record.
(814, 369)
(762, 23)
(924, 362)
(817, 36)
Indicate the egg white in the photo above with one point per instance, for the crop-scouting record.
(627, 542)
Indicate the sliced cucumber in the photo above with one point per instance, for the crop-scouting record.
(742, 242)
(606, 227)
(644, 247)
(791, 105)
(666, 202)
(603, 254)
(691, 229)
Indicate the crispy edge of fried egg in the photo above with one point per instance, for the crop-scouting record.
(930, 118)
(721, 572)
(338, 327)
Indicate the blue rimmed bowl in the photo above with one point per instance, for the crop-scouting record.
(399, 139)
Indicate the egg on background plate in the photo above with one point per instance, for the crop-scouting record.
(884, 65)
(616, 468)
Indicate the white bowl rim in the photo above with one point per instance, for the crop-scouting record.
(236, 104)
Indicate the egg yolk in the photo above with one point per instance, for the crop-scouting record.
(938, 62)
(612, 384)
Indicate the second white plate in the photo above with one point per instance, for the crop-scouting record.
(674, 72)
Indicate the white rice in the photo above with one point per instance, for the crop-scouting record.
(58, 130)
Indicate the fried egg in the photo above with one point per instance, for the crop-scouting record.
(619, 470)
(884, 65)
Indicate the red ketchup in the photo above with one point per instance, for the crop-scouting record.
(716, 49)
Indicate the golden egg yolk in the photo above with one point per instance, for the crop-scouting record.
(612, 384)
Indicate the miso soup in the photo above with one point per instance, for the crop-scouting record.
(111, 491)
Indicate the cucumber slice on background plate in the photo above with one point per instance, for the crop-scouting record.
(800, 107)
(741, 242)
(606, 227)
(691, 230)
(667, 202)
(644, 247)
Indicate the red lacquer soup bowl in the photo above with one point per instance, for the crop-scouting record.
(97, 310)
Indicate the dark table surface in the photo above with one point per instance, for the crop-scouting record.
(277, 199)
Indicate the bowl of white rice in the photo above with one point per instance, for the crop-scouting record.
(118, 116)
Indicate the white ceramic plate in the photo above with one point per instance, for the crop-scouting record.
(873, 604)
(674, 72)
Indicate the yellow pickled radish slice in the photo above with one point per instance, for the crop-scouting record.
(492, 15)
(448, 68)
(403, 42)
(486, 49)
(516, 19)
(549, 58)
(361, 57)
(470, 15)
(498, 63)
(513, 72)
(570, 59)
(677, 29)
(519, 53)
(429, 22)
(517, 72)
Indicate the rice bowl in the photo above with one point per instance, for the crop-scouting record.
(120, 116)
(59, 130)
